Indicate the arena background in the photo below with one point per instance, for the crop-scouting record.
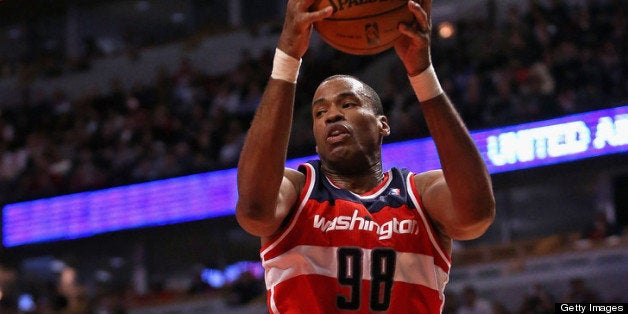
(96, 95)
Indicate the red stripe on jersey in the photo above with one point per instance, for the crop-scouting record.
(310, 176)
(435, 239)
(320, 294)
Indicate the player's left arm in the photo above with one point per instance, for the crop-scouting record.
(459, 198)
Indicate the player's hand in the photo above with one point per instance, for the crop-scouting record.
(414, 47)
(297, 27)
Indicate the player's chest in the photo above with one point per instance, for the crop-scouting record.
(344, 222)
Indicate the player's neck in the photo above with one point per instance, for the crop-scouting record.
(356, 182)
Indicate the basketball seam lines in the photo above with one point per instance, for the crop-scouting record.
(367, 16)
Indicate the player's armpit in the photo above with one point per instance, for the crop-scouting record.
(458, 221)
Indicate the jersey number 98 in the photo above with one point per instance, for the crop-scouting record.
(350, 274)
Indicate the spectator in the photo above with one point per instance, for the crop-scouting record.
(537, 301)
(233, 144)
(579, 292)
(451, 303)
(471, 303)
(601, 228)
(245, 289)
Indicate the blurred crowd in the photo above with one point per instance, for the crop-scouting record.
(534, 63)
(538, 62)
(67, 295)
(537, 299)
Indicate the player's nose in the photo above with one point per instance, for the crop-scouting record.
(334, 116)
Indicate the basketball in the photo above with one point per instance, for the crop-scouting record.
(362, 27)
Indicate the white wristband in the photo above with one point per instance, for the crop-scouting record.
(285, 67)
(426, 85)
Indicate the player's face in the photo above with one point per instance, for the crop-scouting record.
(346, 127)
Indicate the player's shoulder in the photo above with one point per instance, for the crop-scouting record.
(293, 174)
(297, 178)
(427, 178)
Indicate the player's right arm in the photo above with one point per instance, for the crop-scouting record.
(266, 190)
(265, 194)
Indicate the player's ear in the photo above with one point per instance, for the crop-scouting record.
(316, 147)
(385, 128)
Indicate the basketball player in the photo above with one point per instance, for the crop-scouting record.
(340, 234)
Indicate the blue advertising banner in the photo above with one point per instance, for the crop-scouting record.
(214, 194)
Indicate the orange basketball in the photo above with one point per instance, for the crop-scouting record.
(362, 27)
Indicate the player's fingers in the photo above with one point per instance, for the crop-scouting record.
(420, 15)
(412, 31)
(319, 15)
(427, 6)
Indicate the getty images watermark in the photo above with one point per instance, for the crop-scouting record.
(591, 307)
